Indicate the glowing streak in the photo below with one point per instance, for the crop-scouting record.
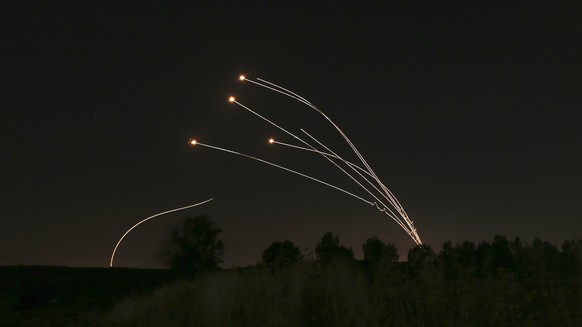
(274, 87)
(354, 167)
(286, 90)
(309, 104)
(292, 95)
(389, 212)
(268, 121)
(322, 153)
(391, 199)
(295, 96)
(286, 169)
(385, 209)
(148, 218)
(301, 99)
(298, 138)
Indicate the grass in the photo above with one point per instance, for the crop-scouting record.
(504, 283)
(63, 296)
(345, 294)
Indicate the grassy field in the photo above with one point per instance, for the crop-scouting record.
(345, 294)
(62, 296)
(503, 283)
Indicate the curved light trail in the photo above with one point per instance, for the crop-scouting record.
(148, 218)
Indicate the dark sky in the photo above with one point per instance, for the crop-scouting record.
(469, 111)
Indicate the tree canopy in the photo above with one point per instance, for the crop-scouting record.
(328, 249)
(194, 247)
(376, 251)
(281, 254)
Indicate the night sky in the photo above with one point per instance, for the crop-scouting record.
(469, 111)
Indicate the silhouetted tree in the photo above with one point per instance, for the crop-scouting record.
(545, 257)
(456, 259)
(483, 258)
(450, 261)
(328, 249)
(502, 256)
(467, 253)
(571, 259)
(281, 254)
(420, 254)
(194, 247)
(376, 251)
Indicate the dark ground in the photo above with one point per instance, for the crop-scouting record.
(61, 296)
(499, 283)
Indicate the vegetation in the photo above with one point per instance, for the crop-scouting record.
(64, 296)
(376, 252)
(500, 283)
(281, 255)
(328, 250)
(194, 248)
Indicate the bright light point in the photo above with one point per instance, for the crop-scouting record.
(193, 142)
(241, 77)
(231, 99)
(271, 141)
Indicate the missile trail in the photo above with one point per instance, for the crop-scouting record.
(309, 104)
(411, 230)
(283, 168)
(352, 166)
(389, 196)
(295, 96)
(383, 209)
(233, 100)
(285, 92)
(298, 98)
(322, 153)
(148, 218)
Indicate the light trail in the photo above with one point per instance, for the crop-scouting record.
(351, 166)
(285, 92)
(273, 141)
(295, 96)
(233, 100)
(193, 142)
(384, 209)
(388, 196)
(148, 218)
(301, 99)
(411, 230)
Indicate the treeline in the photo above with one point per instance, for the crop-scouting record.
(538, 259)
(482, 259)
(498, 283)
